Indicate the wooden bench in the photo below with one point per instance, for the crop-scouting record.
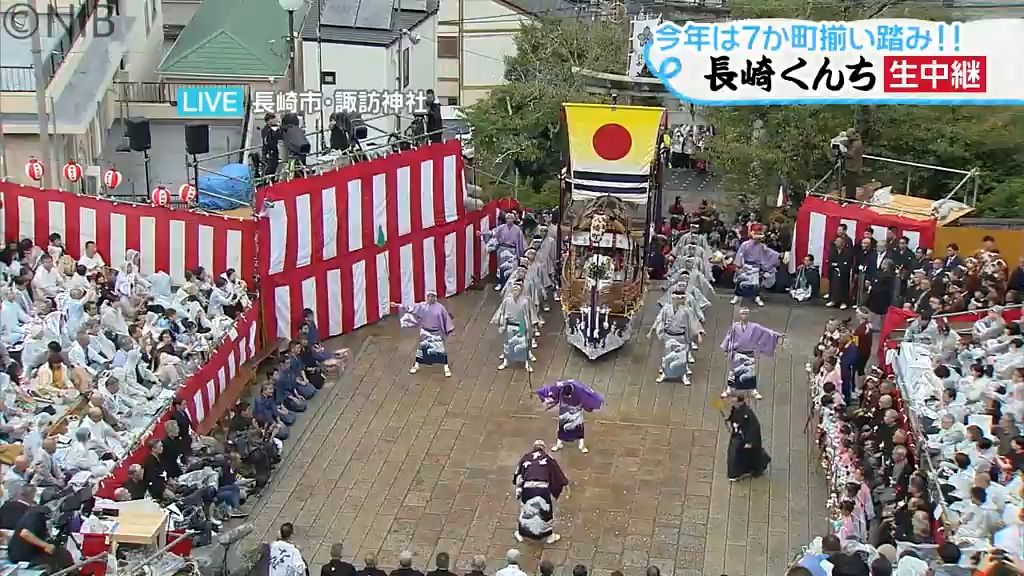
(245, 376)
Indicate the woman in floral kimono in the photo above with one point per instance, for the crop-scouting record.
(514, 318)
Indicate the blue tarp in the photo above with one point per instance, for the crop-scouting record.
(236, 184)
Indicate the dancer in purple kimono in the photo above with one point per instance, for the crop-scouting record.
(539, 481)
(509, 244)
(435, 324)
(748, 340)
(573, 398)
(755, 263)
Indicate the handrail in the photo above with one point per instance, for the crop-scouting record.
(59, 53)
(163, 92)
(980, 311)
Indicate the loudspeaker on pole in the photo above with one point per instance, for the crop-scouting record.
(139, 138)
(197, 139)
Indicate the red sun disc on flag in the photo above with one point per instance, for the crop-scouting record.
(612, 142)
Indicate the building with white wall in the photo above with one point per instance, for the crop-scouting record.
(475, 36)
(81, 65)
(364, 44)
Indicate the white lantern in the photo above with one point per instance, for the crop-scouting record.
(34, 170)
(160, 197)
(187, 193)
(72, 171)
(111, 179)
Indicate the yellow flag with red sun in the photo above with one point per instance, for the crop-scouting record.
(612, 149)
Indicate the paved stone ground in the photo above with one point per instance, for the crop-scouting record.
(386, 461)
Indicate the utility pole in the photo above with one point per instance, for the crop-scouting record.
(3, 150)
(41, 112)
(400, 68)
(462, 51)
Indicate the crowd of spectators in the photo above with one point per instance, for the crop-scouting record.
(92, 358)
(879, 274)
(930, 463)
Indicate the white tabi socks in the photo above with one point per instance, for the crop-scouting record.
(447, 371)
(415, 368)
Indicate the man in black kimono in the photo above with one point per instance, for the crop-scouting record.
(840, 269)
(746, 453)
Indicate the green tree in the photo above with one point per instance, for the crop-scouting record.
(758, 148)
(518, 124)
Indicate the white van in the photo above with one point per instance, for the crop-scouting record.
(455, 125)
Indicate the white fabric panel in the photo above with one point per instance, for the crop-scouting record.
(329, 200)
(406, 273)
(57, 220)
(178, 240)
(879, 233)
(851, 230)
(451, 256)
(816, 237)
(383, 285)
(118, 239)
(451, 193)
(429, 267)
(334, 303)
(427, 194)
(484, 255)
(309, 294)
(792, 252)
(212, 393)
(471, 261)
(359, 292)
(200, 409)
(234, 249)
(252, 337)
(404, 201)
(232, 365)
(283, 311)
(206, 248)
(277, 214)
(86, 228)
(355, 215)
(380, 207)
(147, 245)
(26, 218)
(222, 379)
(914, 237)
(304, 229)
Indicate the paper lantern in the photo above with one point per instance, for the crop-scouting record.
(187, 193)
(160, 197)
(34, 169)
(111, 179)
(72, 171)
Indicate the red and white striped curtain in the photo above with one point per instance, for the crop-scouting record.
(819, 219)
(348, 242)
(167, 240)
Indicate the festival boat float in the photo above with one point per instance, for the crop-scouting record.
(608, 193)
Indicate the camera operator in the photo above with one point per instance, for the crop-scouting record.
(433, 120)
(271, 136)
(29, 541)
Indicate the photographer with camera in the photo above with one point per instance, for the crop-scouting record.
(29, 542)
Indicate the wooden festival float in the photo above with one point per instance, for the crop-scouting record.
(606, 198)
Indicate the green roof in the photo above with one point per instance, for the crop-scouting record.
(232, 38)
